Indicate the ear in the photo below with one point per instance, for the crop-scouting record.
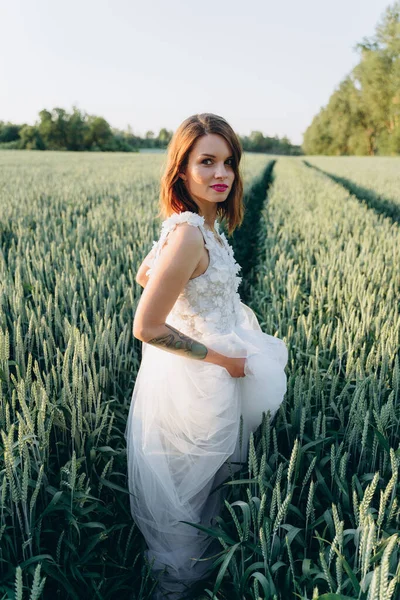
(182, 175)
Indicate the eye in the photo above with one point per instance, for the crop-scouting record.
(228, 160)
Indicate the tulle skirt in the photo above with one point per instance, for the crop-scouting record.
(181, 433)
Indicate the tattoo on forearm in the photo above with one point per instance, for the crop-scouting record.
(178, 342)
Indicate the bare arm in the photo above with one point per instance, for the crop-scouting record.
(141, 276)
(143, 280)
(176, 263)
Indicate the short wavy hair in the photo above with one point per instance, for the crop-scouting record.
(174, 197)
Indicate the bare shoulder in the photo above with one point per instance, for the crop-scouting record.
(185, 235)
(180, 254)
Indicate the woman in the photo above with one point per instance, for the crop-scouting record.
(205, 360)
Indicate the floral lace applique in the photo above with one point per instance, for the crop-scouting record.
(210, 302)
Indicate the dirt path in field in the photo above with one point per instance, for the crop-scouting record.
(245, 240)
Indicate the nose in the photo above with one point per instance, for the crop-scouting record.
(220, 172)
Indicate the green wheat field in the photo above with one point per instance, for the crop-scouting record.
(315, 513)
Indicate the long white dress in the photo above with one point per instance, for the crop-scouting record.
(183, 423)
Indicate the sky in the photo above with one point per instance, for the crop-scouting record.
(262, 65)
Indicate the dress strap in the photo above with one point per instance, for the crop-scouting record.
(183, 217)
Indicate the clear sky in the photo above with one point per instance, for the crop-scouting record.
(263, 65)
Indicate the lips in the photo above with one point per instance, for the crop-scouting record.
(220, 188)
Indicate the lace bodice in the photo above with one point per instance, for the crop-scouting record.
(208, 303)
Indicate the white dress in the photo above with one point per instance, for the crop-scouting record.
(184, 418)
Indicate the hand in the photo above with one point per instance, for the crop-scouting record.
(235, 367)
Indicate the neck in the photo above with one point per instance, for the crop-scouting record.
(209, 215)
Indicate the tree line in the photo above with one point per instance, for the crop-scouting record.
(362, 116)
(77, 131)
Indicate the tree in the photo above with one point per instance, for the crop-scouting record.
(98, 133)
(77, 130)
(30, 138)
(363, 114)
(9, 132)
(164, 136)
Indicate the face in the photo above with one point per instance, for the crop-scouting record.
(210, 163)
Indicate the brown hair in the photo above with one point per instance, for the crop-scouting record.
(174, 197)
